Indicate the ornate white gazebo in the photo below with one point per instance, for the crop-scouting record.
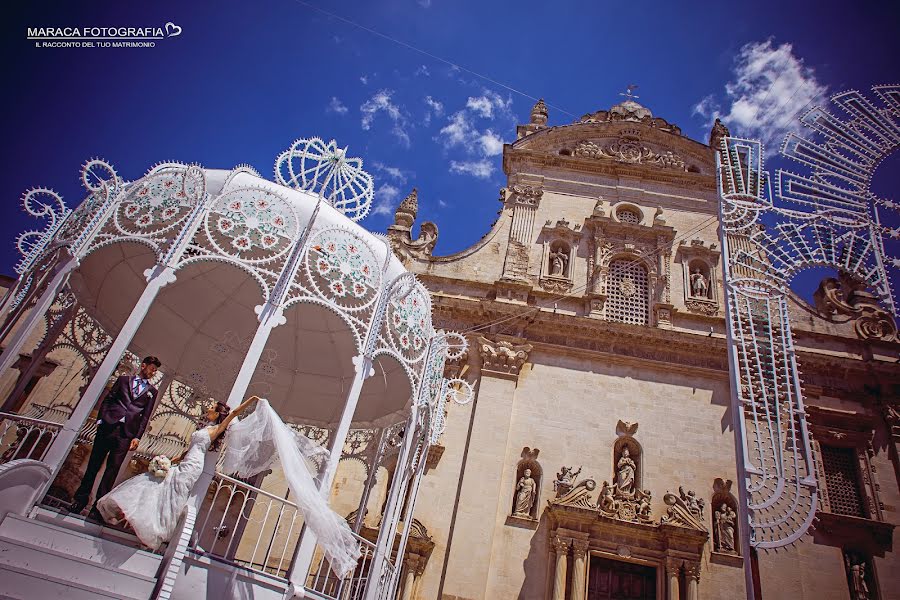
(239, 285)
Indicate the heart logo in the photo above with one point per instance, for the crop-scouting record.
(172, 29)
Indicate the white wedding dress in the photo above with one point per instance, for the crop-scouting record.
(153, 505)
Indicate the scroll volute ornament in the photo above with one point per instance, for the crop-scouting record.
(846, 297)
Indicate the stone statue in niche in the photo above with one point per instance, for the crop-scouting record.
(559, 260)
(856, 576)
(725, 523)
(525, 495)
(625, 474)
(699, 284)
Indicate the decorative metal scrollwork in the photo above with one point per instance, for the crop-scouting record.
(830, 218)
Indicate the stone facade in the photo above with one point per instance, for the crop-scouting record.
(598, 303)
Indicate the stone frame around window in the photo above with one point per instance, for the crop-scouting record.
(553, 237)
(870, 534)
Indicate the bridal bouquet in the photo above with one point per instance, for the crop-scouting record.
(159, 466)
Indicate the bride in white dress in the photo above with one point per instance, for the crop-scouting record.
(153, 505)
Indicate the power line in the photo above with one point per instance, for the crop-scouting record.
(429, 55)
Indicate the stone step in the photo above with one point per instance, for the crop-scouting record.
(73, 537)
(20, 584)
(22, 564)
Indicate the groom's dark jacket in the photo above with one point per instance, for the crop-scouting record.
(120, 402)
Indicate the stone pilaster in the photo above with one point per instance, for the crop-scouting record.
(482, 472)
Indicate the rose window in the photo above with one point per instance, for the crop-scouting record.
(627, 215)
(627, 293)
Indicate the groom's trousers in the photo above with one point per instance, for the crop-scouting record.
(111, 444)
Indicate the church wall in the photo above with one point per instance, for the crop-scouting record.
(568, 408)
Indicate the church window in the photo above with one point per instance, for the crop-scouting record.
(628, 215)
(627, 292)
(842, 480)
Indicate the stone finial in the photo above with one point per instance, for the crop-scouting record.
(539, 113)
(717, 133)
(405, 215)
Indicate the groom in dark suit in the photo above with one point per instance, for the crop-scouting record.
(122, 419)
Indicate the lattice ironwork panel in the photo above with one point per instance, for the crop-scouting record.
(842, 481)
(627, 293)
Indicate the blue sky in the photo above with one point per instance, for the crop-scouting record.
(245, 79)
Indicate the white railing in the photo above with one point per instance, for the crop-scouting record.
(155, 445)
(352, 587)
(248, 526)
(25, 437)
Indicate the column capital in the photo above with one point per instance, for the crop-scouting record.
(673, 565)
(580, 548)
(503, 357)
(561, 544)
(692, 570)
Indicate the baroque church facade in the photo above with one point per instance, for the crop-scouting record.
(597, 460)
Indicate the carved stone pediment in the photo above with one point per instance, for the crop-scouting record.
(504, 358)
(604, 139)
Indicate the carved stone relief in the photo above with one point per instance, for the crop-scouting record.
(627, 150)
(565, 480)
(684, 510)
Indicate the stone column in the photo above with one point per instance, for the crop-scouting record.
(692, 574)
(409, 578)
(561, 545)
(579, 552)
(673, 570)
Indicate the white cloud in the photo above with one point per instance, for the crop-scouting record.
(458, 132)
(385, 196)
(381, 102)
(441, 203)
(769, 90)
(490, 105)
(482, 169)
(423, 70)
(336, 106)
(392, 172)
(436, 107)
(363, 79)
(424, 3)
(491, 144)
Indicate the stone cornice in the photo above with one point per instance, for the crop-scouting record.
(672, 350)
